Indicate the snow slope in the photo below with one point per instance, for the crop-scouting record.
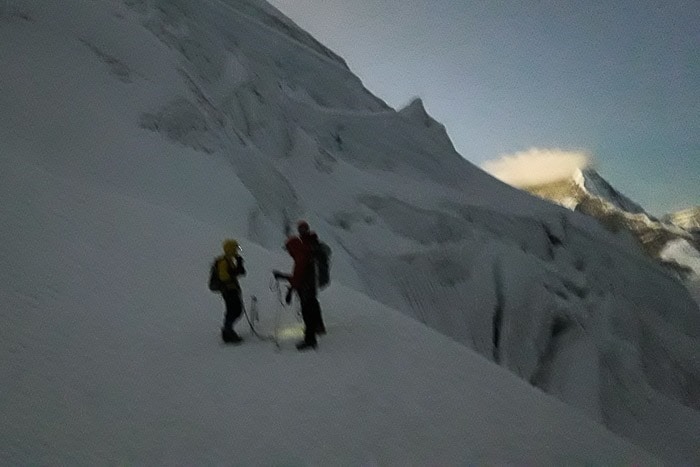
(142, 132)
(111, 356)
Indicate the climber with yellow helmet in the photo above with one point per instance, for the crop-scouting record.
(225, 272)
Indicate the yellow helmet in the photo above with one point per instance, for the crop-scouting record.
(231, 247)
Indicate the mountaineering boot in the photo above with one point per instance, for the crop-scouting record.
(305, 345)
(229, 336)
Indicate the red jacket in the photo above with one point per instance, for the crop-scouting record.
(301, 251)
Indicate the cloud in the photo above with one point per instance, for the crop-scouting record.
(537, 166)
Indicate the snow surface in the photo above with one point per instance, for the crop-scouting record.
(111, 356)
(139, 134)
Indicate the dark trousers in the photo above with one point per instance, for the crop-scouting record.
(311, 313)
(234, 307)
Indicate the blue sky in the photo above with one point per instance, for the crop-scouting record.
(618, 80)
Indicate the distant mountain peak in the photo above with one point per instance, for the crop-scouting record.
(595, 185)
(585, 184)
(586, 191)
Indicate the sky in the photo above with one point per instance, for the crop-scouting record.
(616, 80)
